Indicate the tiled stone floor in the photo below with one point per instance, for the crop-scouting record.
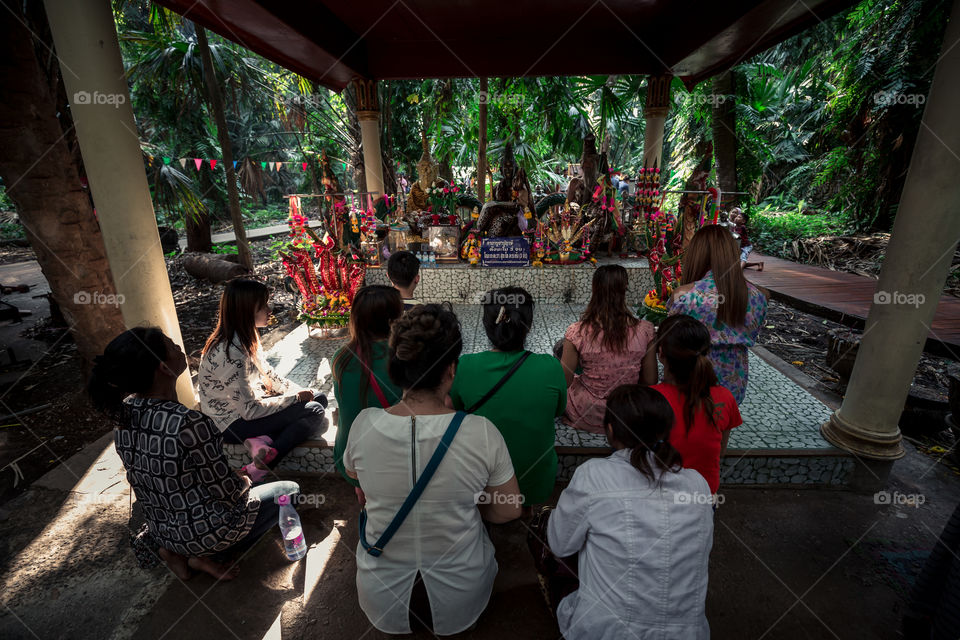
(778, 443)
(548, 285)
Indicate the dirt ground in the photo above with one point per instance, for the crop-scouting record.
(786, 564)
(800, 339)
(54, 377)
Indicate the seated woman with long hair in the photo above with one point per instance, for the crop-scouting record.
(360, 377)
(246, 399)
(442, 543)
(609, 343)
(714, 291)
(705, 411)
(537, 385)
(643, 526)
(199, 513)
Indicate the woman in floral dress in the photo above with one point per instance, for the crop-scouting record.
(714, 291)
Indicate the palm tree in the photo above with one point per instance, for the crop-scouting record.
(166, 67)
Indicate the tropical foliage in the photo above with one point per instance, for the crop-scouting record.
(825, 122)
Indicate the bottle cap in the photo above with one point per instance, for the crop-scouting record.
(282, 500)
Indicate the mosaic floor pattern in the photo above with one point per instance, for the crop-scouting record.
(778, 443)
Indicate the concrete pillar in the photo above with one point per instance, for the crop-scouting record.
(921, 247)
(368, 113)
(655, 117)
(86, 44)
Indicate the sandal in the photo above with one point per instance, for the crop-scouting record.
(260, 450)
(255, 474)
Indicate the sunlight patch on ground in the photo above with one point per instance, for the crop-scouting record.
(318, 555)
(275, 632)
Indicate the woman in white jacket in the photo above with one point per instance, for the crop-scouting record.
(242, 394)
(643, 526)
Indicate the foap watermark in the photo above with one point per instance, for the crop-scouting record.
(306, 499)
(489, 97)
(97, 298)
(891, 98)
(896, 297)
(112, 99)
(907, 499)
(504, 299)
(485, 497)
(309, 100)
(685, 497)
(714, 100)
(699, 299)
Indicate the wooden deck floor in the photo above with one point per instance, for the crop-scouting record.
(846, 298)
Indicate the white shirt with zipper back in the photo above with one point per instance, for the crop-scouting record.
(644, 552)
(443, 537)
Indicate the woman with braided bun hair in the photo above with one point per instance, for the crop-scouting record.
(200, 514)
(705, 411)
(442, 543)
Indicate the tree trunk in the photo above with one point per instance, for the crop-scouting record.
(212, 267)
(42, 169)
(725, 134)
(199, 238)
(482, 156)
(444, 106)
(226, 149)
(386, 142)
(356, 150)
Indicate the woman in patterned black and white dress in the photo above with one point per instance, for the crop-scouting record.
(200, 515)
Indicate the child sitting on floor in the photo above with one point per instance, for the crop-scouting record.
(403, 269)
(704, 411)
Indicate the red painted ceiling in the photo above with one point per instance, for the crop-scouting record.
(333, 41)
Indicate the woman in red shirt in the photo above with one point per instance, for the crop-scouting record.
(704, 411)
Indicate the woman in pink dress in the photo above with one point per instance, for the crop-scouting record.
(608, 344)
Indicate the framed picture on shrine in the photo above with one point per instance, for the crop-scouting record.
(371, 252)
(444, 241)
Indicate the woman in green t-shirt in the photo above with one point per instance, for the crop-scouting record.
(524, 408)
(375, 307)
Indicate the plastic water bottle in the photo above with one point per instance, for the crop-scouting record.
(293, 541)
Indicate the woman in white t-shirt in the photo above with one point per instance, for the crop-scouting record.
(442, 542)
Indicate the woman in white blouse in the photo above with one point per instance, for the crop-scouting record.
(643, 526)
(442, 541)
(242, 394)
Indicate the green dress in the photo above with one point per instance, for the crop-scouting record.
(523, 410)
(346, 389)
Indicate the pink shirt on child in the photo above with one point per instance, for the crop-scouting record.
(603, 371)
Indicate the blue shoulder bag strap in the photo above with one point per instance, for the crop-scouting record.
(421, 484)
